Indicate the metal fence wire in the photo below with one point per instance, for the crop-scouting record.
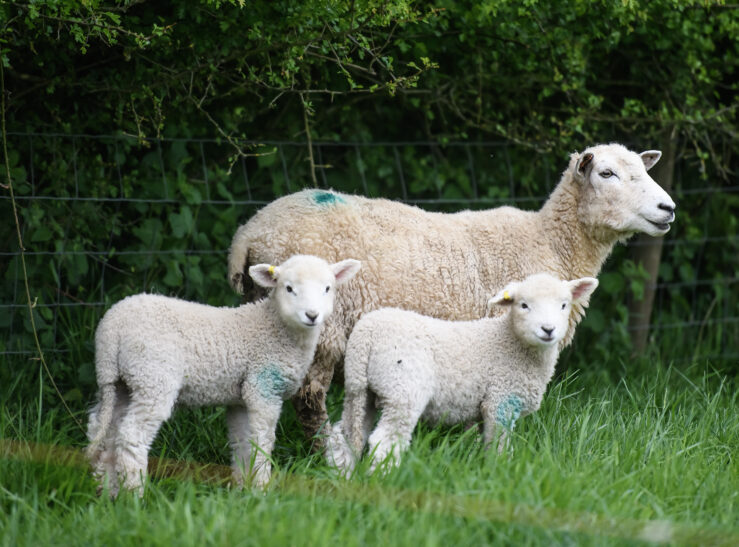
(113, 215)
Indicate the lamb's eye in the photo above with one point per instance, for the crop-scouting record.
(564, 305)
(606, 174)
(524, 306)
(288, 288)
(328, 288)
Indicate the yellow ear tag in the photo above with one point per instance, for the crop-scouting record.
(506, 296)
(271, 270)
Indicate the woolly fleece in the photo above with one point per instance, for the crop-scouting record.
(411, 366)
(446, 265)
(154, 351)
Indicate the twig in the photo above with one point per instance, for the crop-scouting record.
(310, 141)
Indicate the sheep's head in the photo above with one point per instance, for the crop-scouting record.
(540, 306)
(304, 287)
(618, 195)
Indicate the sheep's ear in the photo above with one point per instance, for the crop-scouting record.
(264, 275)
(345, 270)
(650, 157)
(505, 297)
(582, 288)
(583, 163)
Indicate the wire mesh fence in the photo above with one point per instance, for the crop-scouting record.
(107, 216)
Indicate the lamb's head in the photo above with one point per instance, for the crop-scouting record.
(540, 306)
(618, 195)
(304, 287)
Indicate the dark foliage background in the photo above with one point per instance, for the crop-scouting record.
(140, 134)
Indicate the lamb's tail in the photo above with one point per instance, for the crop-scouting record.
(106, 369)
(348, 437)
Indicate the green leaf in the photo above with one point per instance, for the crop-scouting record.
(173, 277)
(181, 222)
(42, 233)
(612, 282)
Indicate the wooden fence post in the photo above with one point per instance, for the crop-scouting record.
(647, 251)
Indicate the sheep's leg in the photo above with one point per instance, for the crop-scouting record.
(237, 419)
(310, 401)
(392, 436)
(137, 430)
(104, 461)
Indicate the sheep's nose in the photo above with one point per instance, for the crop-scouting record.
(549, 330)
(311, 315)
(670, 208)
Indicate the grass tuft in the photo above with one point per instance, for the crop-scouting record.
(651, 457)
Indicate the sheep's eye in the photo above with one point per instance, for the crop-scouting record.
(328, 288)
(288, 288)
(564, 305)
(524, 306)
(606, 174)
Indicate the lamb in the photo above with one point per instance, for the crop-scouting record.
(415, 366)
(451, 261)
(153, 351)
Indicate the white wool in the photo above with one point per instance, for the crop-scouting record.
(411, 366)
(443, 265)
(154, 351)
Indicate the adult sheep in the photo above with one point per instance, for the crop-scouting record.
(447, 265)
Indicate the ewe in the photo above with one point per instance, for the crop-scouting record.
(154, 351)
(412, 366)
(443, 265)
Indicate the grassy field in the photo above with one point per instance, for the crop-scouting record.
(648, 457)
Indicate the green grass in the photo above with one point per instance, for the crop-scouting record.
(602, 460)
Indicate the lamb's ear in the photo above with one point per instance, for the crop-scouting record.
(582, 288)
(264, 275)
(345, 270)
(505, 297)
(583, 163)
(650, 157)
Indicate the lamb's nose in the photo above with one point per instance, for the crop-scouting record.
(667, 207)
(311, 315)
(549, 330)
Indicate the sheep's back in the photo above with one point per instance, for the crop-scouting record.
(443, 265)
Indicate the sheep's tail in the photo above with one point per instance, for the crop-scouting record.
(349, 436)
(106, 370)
(238, 260)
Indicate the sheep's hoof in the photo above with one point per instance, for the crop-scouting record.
(313, 395)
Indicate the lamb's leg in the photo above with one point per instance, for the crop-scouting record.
(137, 430)
(104, 461)
(500, 413)
(392, 436)
(493, 432)
(263, 417)
(237, 419)
(358, 418)
(348, 436)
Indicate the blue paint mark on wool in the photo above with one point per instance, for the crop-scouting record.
(270, 382)
(321, 197)
(509, 411)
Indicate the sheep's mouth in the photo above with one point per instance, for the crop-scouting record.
(309, 324)
(546, 339)
(661, 226)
